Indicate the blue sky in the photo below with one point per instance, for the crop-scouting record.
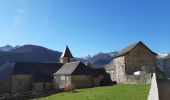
(86, 26)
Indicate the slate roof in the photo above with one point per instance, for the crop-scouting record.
(131, 47)
(42, 72)
(78, 68)
(66, 53)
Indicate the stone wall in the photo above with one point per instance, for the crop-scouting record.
(79, 81)
(111, 70)
(39, 86)
(83, 81)
(22, 83)
(119, 71)
(167, 68)
(140, 59)
(112, 74)
(138, 79)
(61, 81)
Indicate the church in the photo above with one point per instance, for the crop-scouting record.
(46, 76)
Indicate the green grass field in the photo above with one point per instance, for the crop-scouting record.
(116, 92)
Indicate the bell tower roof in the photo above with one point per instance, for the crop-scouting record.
(66, 53)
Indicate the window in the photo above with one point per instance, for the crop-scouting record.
(67, 78)
(63, 78)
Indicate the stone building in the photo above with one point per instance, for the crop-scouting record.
(134, 64)
(80, 75)
(33, 76)
(77, 73)
(166, 64)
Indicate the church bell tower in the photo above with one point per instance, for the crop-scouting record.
(66, 56)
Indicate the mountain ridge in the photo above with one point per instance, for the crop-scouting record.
(34, 53)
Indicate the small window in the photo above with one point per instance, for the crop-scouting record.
(62, 77)
(67, 78)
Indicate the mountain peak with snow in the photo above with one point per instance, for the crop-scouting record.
(8, 48)
(162, 55)
(87, 56)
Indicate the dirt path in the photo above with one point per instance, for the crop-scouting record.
(164, 89)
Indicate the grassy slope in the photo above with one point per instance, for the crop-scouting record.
(116, 92)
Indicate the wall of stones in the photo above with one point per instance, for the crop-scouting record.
(139, 59)
(82, 81)
(79, 81)
(110, 69)
(112, 74)
(138, 79)
(22, 83)
(38, 86)
(61, 81)
(119, 72)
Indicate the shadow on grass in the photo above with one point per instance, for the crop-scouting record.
(75, 91)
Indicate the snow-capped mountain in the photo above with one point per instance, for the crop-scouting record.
(86, 57)
(8, 48)
(160, 58)
(162, 55)
(99, 59)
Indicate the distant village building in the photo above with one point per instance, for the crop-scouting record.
(134, 64)
(33, 76)
(166, 64)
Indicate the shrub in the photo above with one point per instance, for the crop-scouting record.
(69, 87)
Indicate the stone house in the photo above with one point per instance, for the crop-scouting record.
(33, 76)
(134, 64)
(79, 74)
(166, 64)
